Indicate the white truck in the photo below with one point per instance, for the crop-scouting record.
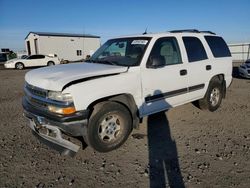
(127, 78)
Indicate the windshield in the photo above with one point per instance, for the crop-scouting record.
(121, 52)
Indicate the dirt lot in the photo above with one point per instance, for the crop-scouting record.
(184, 146)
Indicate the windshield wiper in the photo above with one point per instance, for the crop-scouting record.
(108, 62)
(102, 62)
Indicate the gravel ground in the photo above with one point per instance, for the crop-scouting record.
(182, 147)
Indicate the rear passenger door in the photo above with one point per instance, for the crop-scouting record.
(164, 85)
(199, 67)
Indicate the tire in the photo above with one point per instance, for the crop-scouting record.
(109, 126)
(50, 63)
(213, 97)
(19, 66)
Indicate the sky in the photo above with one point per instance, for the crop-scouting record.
(111, 18)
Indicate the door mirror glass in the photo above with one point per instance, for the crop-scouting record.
(156, 62)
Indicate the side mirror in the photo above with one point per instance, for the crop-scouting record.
(155, 62)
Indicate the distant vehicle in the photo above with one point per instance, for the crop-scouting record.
(32, 61)
(244, 69)
(3, 57)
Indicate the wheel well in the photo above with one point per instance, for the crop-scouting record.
(220, 78)
(19, 62)
(50, 62)
(126, 100)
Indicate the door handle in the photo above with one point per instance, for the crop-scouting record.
(208, 67)
(183, 72)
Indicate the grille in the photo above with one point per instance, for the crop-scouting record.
(248, 71)
(36, 91)
(37, 103)
(35, 94)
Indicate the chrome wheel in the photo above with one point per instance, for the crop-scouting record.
(19, 66)
(110, 128)
(214, 96)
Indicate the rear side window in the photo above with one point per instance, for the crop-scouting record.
(194, 48)
(40, 56)
(218, 46)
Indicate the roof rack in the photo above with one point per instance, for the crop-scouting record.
(210, 32)
(191, 31)
(185, 31)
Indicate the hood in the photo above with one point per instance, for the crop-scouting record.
(56, 77)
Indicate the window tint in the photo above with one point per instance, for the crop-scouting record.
(195, 49)
(36, 57)
(40, 56)
(218, 46)
(167, 50)
(3, 57)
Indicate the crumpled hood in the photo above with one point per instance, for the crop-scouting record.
(56, 77)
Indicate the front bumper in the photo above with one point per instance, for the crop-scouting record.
(49, 128)
(244, 72)
(9, 66)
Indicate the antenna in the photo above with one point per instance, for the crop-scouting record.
(145, 32)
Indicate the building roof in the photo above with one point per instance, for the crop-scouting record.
(62, 35)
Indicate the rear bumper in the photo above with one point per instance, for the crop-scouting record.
(49, 128)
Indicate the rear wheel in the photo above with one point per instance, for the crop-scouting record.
(213, 97)
(50, 63)
(19, 66)
(109, 126)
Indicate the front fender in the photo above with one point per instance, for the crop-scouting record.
(86, 92)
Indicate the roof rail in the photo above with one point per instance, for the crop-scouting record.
(185, 31)
(210, 32)
(191, 31)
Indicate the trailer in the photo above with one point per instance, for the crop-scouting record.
(68, 47)
(240, 51)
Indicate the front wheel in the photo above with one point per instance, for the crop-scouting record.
(109, 126)
(19, 66)
(213, 97)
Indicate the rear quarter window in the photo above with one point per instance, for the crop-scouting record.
(195, 49)
(218, 46)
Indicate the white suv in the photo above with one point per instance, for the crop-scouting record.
(127, 78)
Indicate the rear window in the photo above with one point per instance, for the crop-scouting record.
(218, 46)
(195, 49)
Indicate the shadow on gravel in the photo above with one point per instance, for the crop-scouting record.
(164, 167)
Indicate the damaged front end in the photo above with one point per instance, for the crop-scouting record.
(50, 127)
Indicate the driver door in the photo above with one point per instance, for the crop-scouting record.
(164, 85)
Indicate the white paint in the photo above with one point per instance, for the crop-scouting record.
(54, 78)
(63, 46)
(139, 81)
(31, 62)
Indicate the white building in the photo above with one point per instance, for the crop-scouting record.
(240, 51)
(66, 46)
